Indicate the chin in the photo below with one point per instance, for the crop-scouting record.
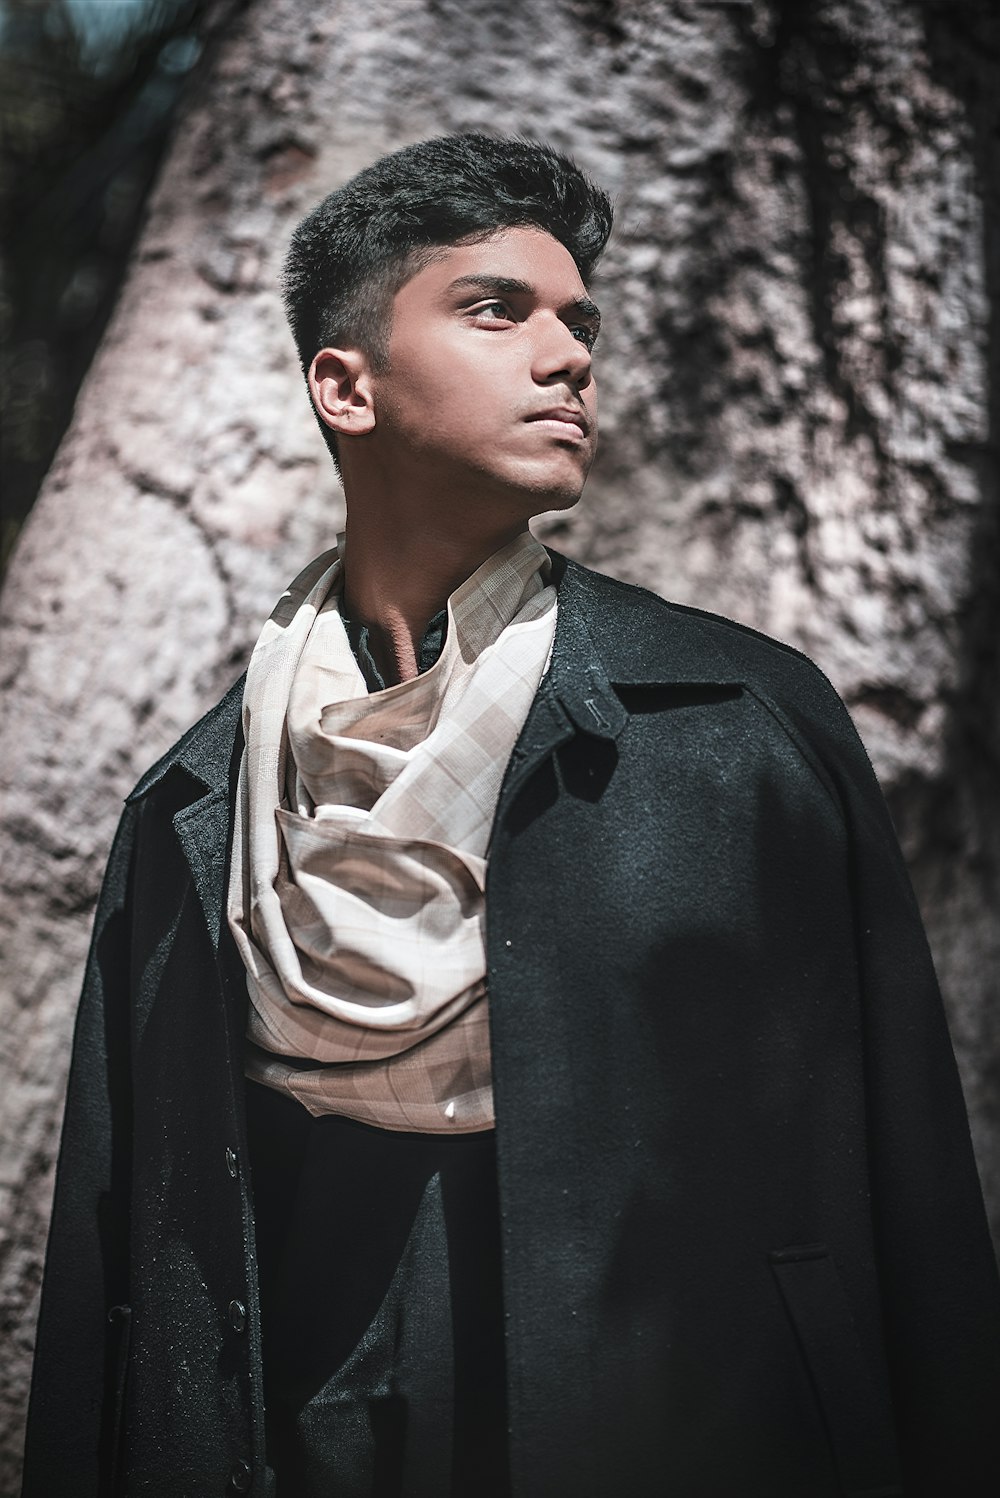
(528, 488)
(555, 490)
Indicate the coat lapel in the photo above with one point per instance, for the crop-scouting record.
(203, 830)
(209, 756)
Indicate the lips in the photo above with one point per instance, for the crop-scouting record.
(570, 416)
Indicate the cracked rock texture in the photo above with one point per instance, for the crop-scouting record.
(800, 401)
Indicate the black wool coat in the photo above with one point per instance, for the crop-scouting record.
(744, 1247)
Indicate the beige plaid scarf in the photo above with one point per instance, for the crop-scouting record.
(356, 895)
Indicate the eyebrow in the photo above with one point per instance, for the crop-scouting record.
(581, 306)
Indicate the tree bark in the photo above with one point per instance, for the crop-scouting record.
(800, 385)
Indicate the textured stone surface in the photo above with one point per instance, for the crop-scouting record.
(800, 386)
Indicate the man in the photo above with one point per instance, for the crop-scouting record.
(510, 1060)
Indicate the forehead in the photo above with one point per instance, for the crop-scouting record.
(525, 254)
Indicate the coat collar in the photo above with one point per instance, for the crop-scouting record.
(608, 634)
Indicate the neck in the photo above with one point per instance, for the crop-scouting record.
(399, 576)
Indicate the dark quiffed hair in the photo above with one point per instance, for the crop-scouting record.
(352, 253)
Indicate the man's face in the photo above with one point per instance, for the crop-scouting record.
(489, 389)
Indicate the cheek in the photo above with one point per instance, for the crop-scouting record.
(432, 378)
(590, 397)
(436, 413)
(457, 394)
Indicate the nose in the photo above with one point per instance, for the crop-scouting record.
(560, 357)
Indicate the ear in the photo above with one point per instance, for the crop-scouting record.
(341, 387)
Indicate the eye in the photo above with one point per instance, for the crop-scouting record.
(584, 334)
(495, 311)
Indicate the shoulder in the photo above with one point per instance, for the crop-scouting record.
(645, 639)
(674, 634)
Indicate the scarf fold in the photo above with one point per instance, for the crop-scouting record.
(356, 893)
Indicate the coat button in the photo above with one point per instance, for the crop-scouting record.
(231, 1162)
(240, 1477)
(237, 1316)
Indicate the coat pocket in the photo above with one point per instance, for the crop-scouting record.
(120, 1319)
(856, 1413)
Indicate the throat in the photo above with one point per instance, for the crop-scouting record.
(399, 597)
(389, 656)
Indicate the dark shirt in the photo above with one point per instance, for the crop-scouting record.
(332, 1340)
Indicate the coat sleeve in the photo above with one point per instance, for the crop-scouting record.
(81, 1345)
(937, 1269)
